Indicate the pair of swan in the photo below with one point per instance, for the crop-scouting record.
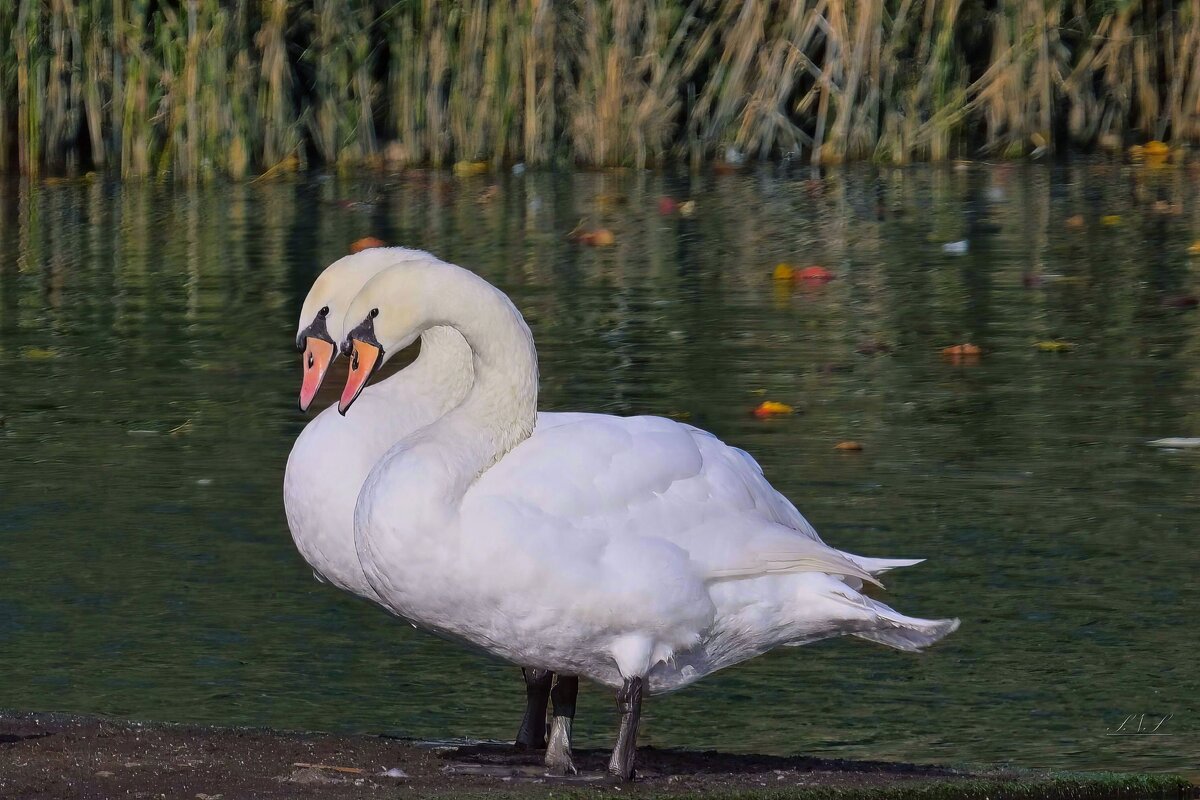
(640, 553)
(333, 455)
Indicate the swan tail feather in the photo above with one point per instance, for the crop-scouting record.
(815, 558)
(903, 632)
(877, 566)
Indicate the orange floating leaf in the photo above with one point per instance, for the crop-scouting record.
(366, 243)
(601, 237)
(961, 353)
(1076, 222)
(848, 446)
(770, 408)
(1194, 249)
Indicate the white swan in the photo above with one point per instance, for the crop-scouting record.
(637, 552)
(334, 454)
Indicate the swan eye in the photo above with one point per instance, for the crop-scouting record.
(374, 312)
(354, 359)
(310, 360)
(324, 312)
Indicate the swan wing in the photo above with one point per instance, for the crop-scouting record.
(600, 476)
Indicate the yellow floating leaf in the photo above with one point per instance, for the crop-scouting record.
(1111, 220)
(465, 169)
(1194, 250)
(783, 272)
(1054, 346)
(38, 353)
(1156, 148)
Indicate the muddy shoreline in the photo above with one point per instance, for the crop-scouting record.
(61, 756)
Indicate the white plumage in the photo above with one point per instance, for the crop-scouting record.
(619, 549)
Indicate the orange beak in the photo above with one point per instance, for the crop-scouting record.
(318, 355)
(364, 360)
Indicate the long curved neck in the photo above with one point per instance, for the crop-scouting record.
(501, 406)
(443, 369)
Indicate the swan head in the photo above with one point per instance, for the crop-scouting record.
(322, 317)
(387, 316)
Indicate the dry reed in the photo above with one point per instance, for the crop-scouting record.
(198, 88)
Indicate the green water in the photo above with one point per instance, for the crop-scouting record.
(148, 383)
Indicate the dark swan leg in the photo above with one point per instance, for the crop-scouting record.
(558, 751)
(532, 735)
(629, 701)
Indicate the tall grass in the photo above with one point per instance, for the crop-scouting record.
(197, 88)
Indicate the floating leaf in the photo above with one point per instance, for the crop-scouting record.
(955, 248)
(38, 353)
(814, 274)
(1076, 222)
(1054, 346)
(783, 272)
(961, 353)
(601, 237)
(1179, 442)
(848, 446)
(466, 169)
(770, 408)
(687, 208)
(1110, 220)
(1156, 148)
(667, 205)
(366, 243)
(1180, 301)
(1194, 249)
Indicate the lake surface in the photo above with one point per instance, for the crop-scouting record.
(147, 392)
